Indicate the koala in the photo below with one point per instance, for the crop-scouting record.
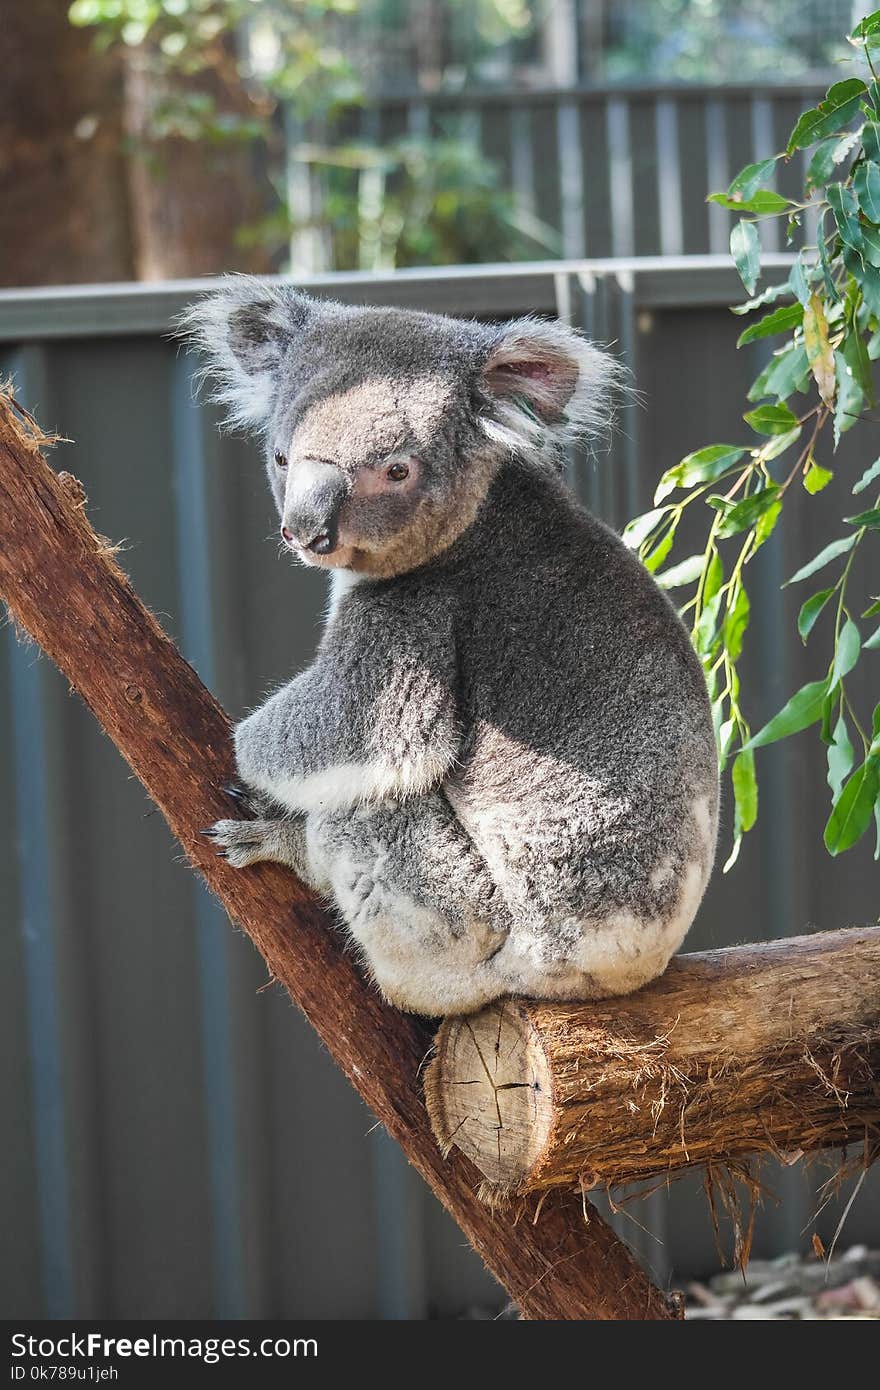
(500, 769)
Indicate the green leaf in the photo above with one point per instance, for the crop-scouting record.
(850, 397)
(714, 577)
(811, 610)
(683, 573)
(825, 556)
(654, 559)
(745, 790)
(786, 372)
(843, 204)
(871, 519)
(867, 26)
(866, 182)
(767, 524)
(639, 529)
(803, 709)
(736, 622)
(846, 652)
(703, 466)
(816, 478)
(873, 610)
(873, 642)
(764, 202)
(739, 516)
(868, 477)
(827, 157)
(771, 419)
(840, 758)
(767, 296)
(745, 247)
(853, 808)
(781, 320)
(750, 179)
(871, 140)
(840, 104)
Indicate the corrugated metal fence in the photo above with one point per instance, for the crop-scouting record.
(176, 1143)
(609, 170)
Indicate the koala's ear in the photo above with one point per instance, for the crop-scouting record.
(243, 330)
(546, 384)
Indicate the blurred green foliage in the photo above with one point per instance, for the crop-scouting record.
(415, 201)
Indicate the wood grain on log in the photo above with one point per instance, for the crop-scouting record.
(62, 585)
(757, 1048)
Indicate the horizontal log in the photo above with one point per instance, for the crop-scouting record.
(769, 1048)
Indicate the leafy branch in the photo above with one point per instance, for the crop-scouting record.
(828, 315)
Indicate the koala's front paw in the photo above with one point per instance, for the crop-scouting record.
(245, 842)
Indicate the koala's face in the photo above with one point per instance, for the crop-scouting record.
(384, 428)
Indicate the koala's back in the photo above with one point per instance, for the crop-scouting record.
(588, 776)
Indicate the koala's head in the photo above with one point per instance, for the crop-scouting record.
(383, 428)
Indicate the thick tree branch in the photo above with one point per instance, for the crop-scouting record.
(63, 587)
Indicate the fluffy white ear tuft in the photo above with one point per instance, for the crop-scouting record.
(547, 386)
(243, 330)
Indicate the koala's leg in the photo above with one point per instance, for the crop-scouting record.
(417, 899)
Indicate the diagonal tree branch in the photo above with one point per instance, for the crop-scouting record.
(556, 1257)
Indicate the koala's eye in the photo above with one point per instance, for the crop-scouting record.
(280, 459)
(397, 472)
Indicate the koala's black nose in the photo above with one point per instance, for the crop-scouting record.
(323, 543)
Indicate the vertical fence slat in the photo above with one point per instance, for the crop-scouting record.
(669, 190)
(38, 925)
(620, 178)
(197, 629)
(762, 148)
(571, 187)
(717, 173)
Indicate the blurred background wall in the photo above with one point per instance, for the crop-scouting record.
(176, 1142)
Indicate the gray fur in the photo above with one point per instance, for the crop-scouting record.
(500, 767)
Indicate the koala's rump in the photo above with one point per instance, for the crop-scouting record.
(589, 776)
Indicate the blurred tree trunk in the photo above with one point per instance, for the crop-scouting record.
(193, 199)
(64, 213)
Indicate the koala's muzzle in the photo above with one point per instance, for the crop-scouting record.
(313, 501)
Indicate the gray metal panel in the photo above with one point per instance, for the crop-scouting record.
(213, 1159)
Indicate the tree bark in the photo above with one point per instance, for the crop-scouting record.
(753, 1049)
(556, 1259)
(64, 213)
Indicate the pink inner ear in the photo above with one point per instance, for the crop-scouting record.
(530, 371)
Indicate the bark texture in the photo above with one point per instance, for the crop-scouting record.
(557, 1259)
(771, 1048)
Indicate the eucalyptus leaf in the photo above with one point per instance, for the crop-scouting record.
(816, 478)
(840, 758)
(867, 478)
(781, 320)
(787, 371)
(637, 531)
(825, 556)
(846, 653)
(871, 519)
(866, 182)
(704, 466)
(873, 642)
(840, 104)
(803, 709)
(745, 247)
(745, 790)
(686, 572)
(810, 612)
(853, 808)
(771, 419)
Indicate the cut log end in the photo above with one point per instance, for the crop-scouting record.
(773, 1048)
(489, 1092)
